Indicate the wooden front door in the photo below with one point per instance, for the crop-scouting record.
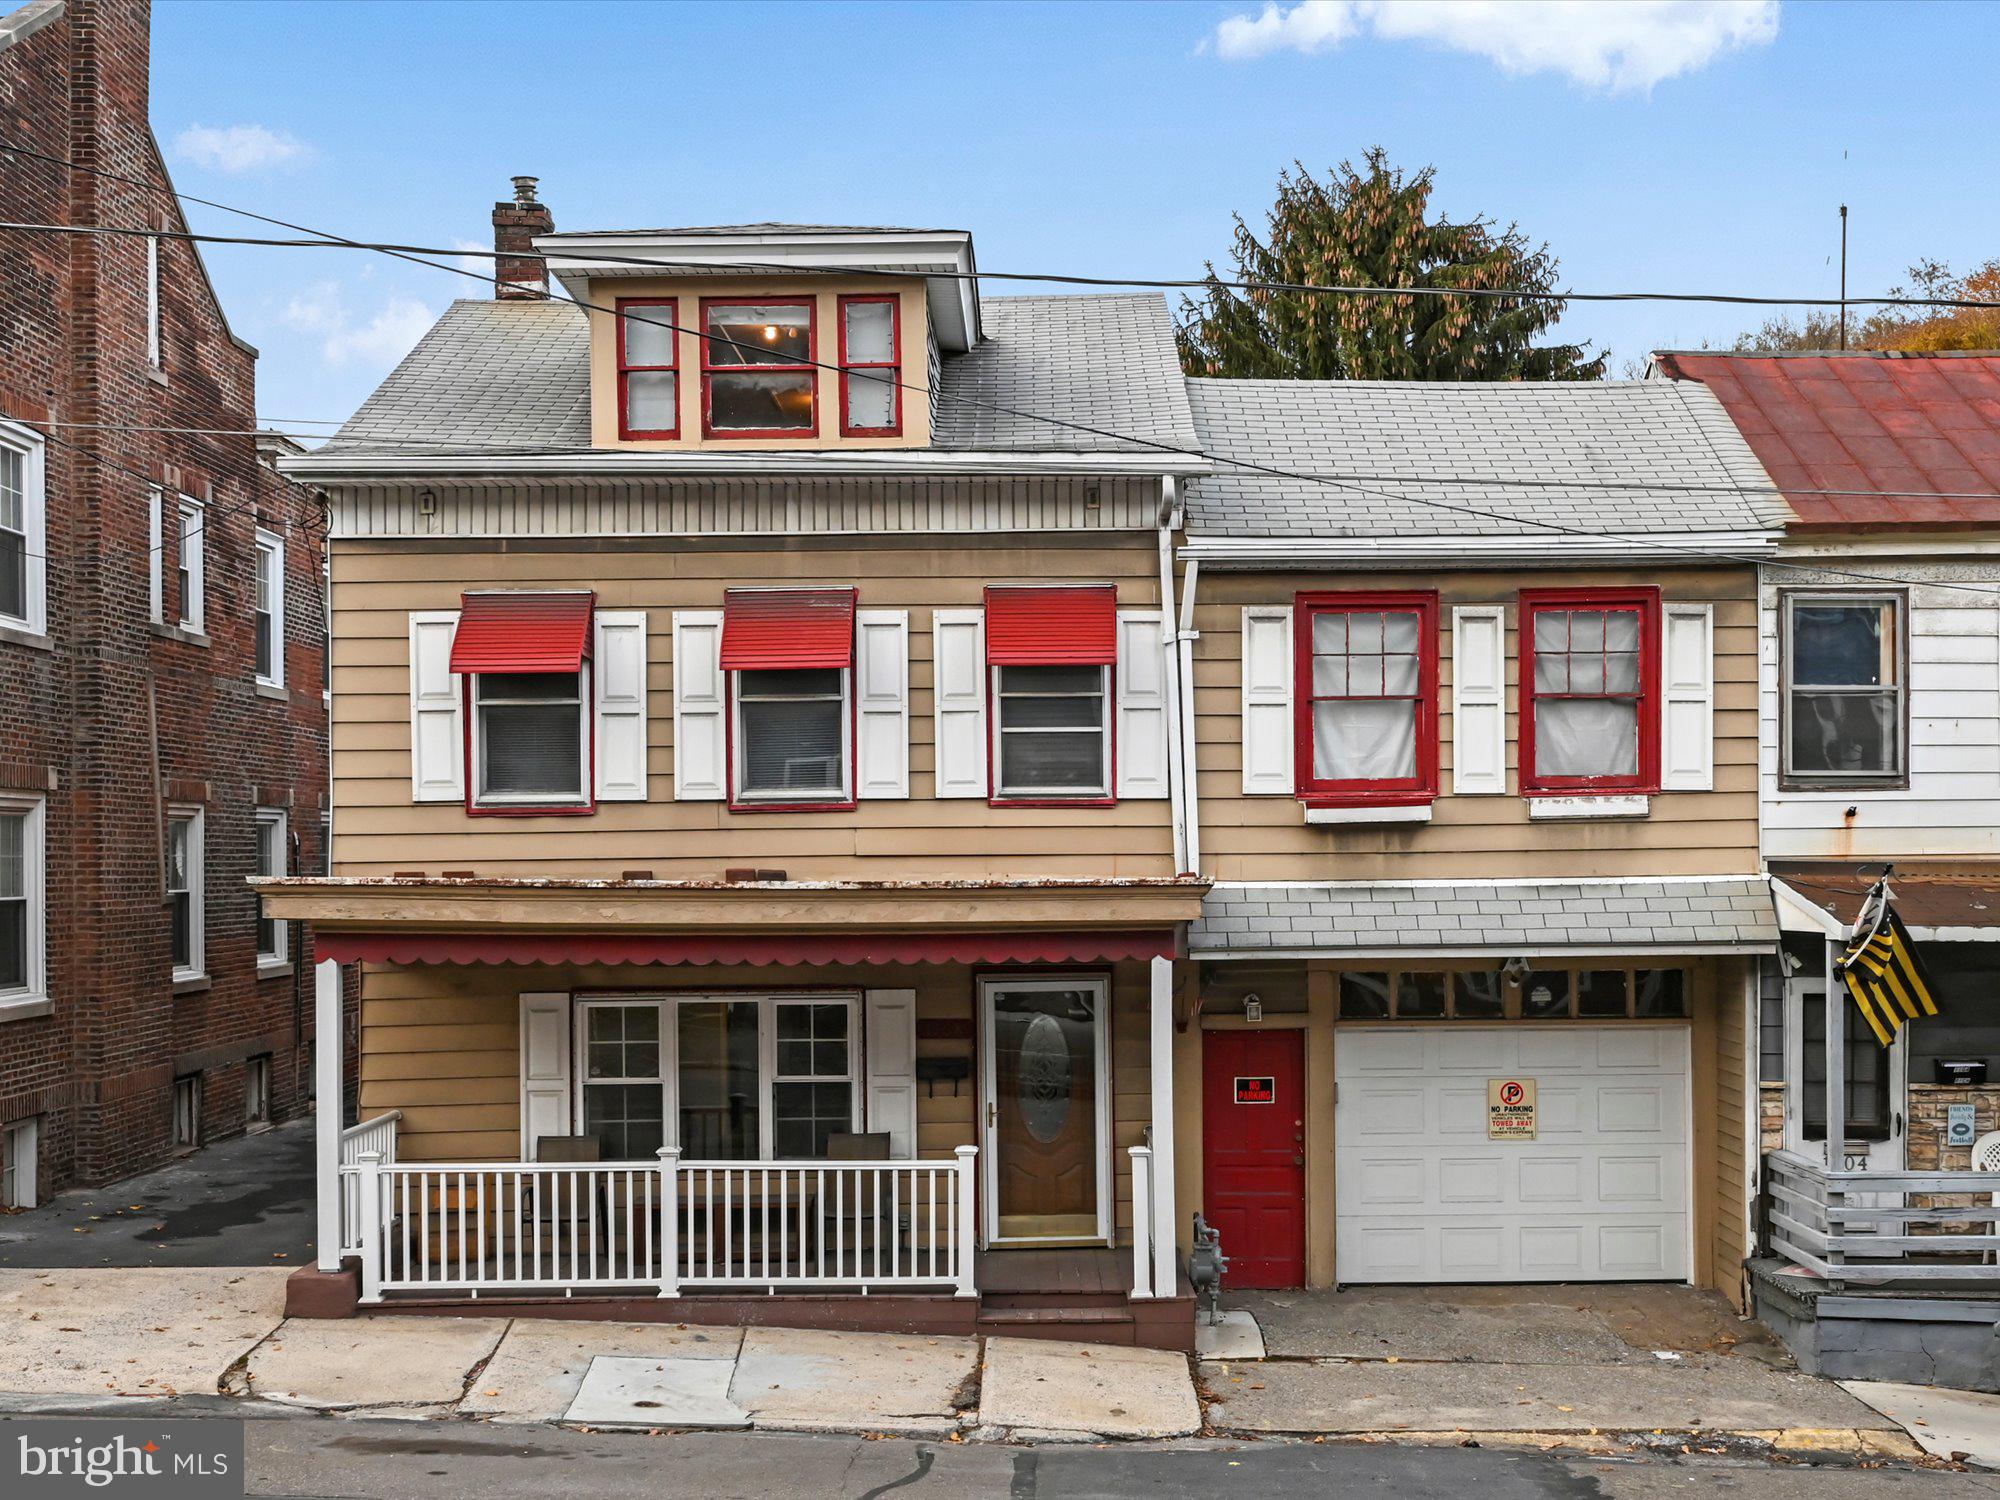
(1046, 1105)
(1253, 1157)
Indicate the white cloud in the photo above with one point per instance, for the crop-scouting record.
(348, 337)
(239, 148)
(1630, 45)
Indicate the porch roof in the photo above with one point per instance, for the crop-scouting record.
(472, 919)
(1486, 918)
(1950, 902)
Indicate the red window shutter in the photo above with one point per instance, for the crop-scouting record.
(521, 632)
(776, 629)
(1053, 625)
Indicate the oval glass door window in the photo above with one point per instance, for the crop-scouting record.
(1048, 1078)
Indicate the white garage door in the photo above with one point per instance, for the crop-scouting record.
(1421, 1193)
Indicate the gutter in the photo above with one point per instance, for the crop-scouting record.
(1170, 678)
(925, 462)
(1482, 551)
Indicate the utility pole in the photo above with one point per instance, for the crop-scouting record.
(1843, 277)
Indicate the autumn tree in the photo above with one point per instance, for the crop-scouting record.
(1914, 329)
(1373, 227)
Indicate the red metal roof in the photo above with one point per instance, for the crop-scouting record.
(776, 629)
(1904, 423)
(1926, 895)
(1052, 625)
(521, 632)
(812, 948)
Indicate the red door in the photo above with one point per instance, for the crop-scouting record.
(1253, 1174)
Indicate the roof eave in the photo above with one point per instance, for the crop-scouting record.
(331, 467)
(1479, 551)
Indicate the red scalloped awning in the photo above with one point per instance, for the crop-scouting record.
(781, 629)
(1065, 625)
(522, 632)
(810, 948)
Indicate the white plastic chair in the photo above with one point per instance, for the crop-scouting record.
(1986, 1158)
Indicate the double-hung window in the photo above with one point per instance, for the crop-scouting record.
(648, 367)
(726, 1078)
(1590, 719)
(871, 373)
(272, 850)
(1051, 651)
(23, 920)
(19, 1167)
(789, 656)
(190, 569)
(23, 537)
(758, 378)
(1844, 661)
(268, 609)
(184, 891)
(525, 659)
(1367, 697)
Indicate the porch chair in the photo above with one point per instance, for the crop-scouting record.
(1986, 1158)
(550, 1210)
(859, 1228)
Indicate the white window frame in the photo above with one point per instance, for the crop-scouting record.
(29, 446)
(191, 559)
(187, 1122)
(196, 819)
(271, 580)
(156, 555)
(278, 960)
(31, 998)
(1102, 792)
(20, 1145)
(257, 1090)
(586, 776)
(1898, 776)
(739, 792)
(153, 301)
(768, 1003)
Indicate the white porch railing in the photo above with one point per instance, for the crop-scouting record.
(1142, 1222)
(668, 1226)
(1940, 1229)
(379, 1136)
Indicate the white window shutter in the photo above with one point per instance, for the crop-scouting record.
(700, 744)
(1142, 705)
(1687, 689)
(1479, 700)
(618, 697)
(882, 701)
(545, 1046)
(437, 709)
(958, 697)
(1267, 700)
(891, 1023)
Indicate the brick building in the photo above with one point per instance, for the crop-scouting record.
(162, 657)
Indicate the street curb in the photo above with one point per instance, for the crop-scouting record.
(1846, 1446)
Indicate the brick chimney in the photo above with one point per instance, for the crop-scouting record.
(519, 272)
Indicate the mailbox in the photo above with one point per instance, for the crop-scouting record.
(1961, 1071)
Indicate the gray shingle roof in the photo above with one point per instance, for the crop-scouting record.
(767, 226)
(515, 375)
(1670, 464)
(1587, 916)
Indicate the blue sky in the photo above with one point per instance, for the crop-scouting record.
(1705, 152)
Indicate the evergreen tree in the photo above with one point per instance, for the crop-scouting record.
(1371, 228)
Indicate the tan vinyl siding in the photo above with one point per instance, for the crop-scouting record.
(379, 830)
(1730, 1179)
(442, 1044)
(1267, 838)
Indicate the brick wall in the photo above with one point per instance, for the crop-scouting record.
(111, 713)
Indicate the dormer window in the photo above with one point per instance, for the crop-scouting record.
(871, 396)
(757, 373)
(648, 378)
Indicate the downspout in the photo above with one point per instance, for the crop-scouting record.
(1191, 792)
(1170, 675)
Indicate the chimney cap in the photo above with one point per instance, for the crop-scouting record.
(524, 189)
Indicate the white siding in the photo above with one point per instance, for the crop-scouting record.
(1952, 803)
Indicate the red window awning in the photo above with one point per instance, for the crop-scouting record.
(1041, 625)
(522, 632)
(776, 629)
(755, 949)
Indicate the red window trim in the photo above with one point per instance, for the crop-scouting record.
(1415, 791)
(996, 798)
(476, 809)
(1646, 600)
(850, 708)
(893, 365)
(708, 428)
(626, 432)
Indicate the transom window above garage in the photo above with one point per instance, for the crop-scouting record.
(1491, 994)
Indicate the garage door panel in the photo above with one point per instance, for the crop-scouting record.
(1422, 1194)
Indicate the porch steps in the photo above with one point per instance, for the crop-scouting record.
(1094, 1325)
